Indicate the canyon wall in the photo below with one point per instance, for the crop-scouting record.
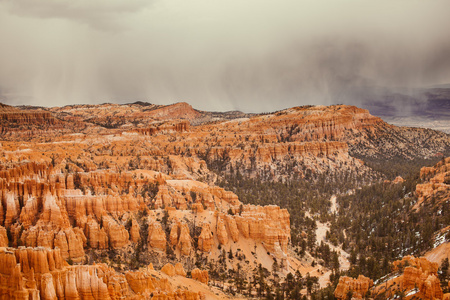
(412, 278)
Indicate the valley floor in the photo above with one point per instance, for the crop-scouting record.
(435, 124)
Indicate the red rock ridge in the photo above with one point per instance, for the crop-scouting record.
(39, 273)
(88, 210)
(358, 287)
(436, 183)
(416, 278)
(165, 127)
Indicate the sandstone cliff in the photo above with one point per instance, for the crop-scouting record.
(39, 273)
(415, 278)
(133, 184)
(356, 287)
(435, 186)
(89, 210)
(22, 124)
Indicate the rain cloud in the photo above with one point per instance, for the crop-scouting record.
(252, 55)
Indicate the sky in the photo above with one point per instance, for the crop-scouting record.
(248, 55)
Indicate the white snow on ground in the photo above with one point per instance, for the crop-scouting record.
(386, 278)
(320, 236)
(412, 292)
(333, 207)
(440, 239)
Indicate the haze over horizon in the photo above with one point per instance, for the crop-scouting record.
(253, 56)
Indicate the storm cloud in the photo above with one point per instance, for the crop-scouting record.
(251, 55)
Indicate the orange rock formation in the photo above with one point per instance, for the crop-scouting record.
(418, 281)
(436, 183)
(39, 273)
(358, 287)
(88, 178)
(200, 275)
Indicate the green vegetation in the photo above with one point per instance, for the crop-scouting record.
(391, 168)
(375, 221)
(444, 274)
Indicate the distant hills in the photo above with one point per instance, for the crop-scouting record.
(427, 107)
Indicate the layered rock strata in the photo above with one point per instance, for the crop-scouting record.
(414, 278)
(40, 273)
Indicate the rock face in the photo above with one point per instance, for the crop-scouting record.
(268, 224)
(114, 116)
(125, 178)
(118, 236)
(135, 231)
(419, 280)
(39, 273)
(179, 270)
(200, 275)
(3, 237)
(156, 236)
(164, 127)
(96, 236)
(436, 184)
(205, 240)
(221, 230)
(181, 238)
(50, 211)
(168, 269)
(357, 287)
(24, 124)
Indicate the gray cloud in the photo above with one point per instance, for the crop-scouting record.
(100, 14)
(253, 55)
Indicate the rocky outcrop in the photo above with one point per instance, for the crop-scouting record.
(232, 228)
(166, 198)
(3, 237)
(357, 287)
(156, 237)
(179, 270)
(58, 214)
(418, 279)
(420, 263)
(414, 277)
(205, 240)
(39, 273)
(69, 241)
(118, 236)
(114, 116)
(24, 117)
(435, 186)
(144, 283)
(181, 110)
(221, 230)
(165, 127)
(168, 269)
(200, 275)
(135, 235)
(96, 236)
(78, 192)
(181, 238)
(269, 224)
(25, 124)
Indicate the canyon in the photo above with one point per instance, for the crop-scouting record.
(121, 201)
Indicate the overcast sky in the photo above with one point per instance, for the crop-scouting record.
(250, 55)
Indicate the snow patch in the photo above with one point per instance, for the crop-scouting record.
(439, 240)
(412, 292)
